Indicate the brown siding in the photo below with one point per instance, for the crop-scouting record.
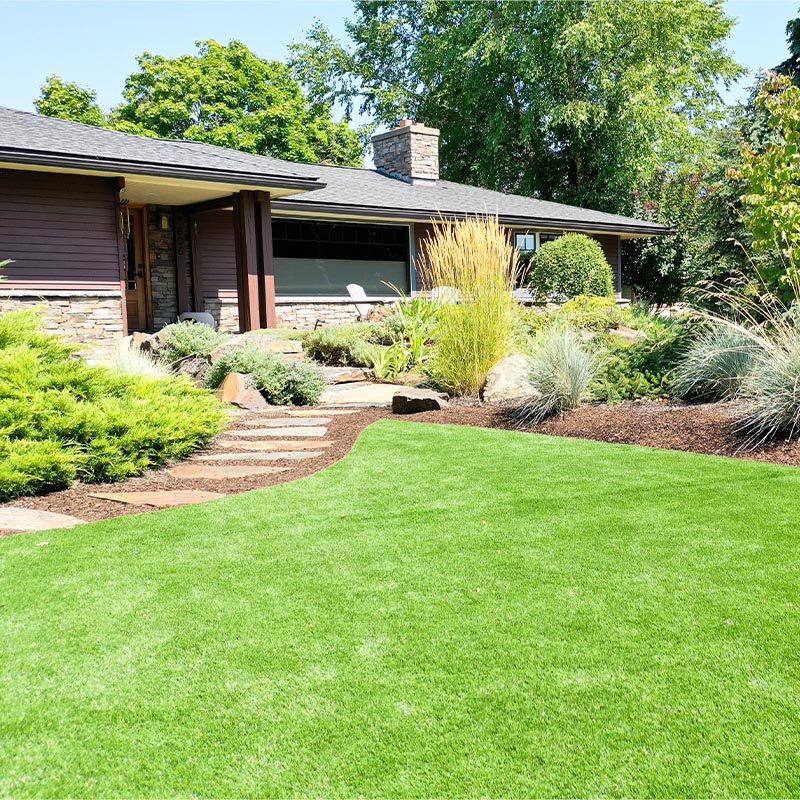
(60, 230)
(422, 230)
(610, 244)
(214, 254)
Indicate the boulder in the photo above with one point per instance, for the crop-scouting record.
(193, 367)
(287, 347)
(237, 389)
(508, 382)
(411, 400)
(344, 374)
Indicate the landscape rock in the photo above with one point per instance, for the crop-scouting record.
(631, 334)
(411, 400)
(236, 389)
(287, 347)
(344, 374)
(508, 382)
(193, 367)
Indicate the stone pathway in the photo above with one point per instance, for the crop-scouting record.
(299, 431)
(358, 395)
(272, 444)
(278, 455)
(17, 518)
(303, 422)
(159, 499)
(218, 472)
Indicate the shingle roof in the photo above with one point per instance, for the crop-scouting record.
(36, 139)
(367, 191)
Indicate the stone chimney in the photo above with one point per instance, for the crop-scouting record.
(409, 152)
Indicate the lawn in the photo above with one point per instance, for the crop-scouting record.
(448, 611)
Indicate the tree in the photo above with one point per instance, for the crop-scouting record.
(772, 197)
(567, 100)
(791, 66)
(60, 98)
(225, 95)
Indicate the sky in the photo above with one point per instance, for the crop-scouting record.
(95, 43)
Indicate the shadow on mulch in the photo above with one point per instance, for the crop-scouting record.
(703, 428)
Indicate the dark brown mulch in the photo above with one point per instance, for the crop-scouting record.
(709, 428)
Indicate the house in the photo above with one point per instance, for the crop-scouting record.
(114, 233)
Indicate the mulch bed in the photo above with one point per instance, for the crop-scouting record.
(709, 428)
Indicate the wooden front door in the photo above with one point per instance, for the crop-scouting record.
(136, 272)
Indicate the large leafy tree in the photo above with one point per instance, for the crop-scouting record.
(60, 98)
(570, 100)
(224, 95)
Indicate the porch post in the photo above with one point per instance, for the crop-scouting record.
(246, 245)
(267, 266)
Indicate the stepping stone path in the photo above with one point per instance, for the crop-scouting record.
(221, 472)
(263, 446)
(329, 412)
(17, 518)
(358, 394)
(289, 423)
(298, 431)
(159, 499)
(274, 456)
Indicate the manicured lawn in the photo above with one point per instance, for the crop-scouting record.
(448, 611)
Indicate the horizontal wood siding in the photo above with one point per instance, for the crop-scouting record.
(60, 230)
(610, 244)
(215, 253)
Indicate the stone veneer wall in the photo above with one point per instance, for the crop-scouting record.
(225, 311)
(163, 273)
(91, 318)
(306, 315)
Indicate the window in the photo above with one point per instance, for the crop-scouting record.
(321, 258)
(549, 237)
(525, 242)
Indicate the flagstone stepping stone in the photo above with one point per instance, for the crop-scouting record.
(277, 455)
(217, 472)
(299, 431)
(273, 445)
(291, 423)
(362, 394)
(159, 499)
(17, 518)
(329, 412)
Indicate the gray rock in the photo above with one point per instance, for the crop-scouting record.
(508, 382)
(344, 374)
(236, 389)
(193, 367)
(410, 400)
(287, 347)
(631, 334)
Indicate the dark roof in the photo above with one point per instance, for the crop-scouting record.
(369, 192)
(27, 138)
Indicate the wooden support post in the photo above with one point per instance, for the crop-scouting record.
(246, 244)
(122, 251)
(267, 266)
(180, 229)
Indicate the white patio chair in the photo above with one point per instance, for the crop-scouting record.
(357, 293)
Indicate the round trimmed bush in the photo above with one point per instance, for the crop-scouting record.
(571, 265)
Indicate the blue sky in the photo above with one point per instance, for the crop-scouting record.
(94, 43)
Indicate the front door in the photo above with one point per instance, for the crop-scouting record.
(136, 277)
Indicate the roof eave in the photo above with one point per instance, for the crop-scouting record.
(115, 166)
(506, 219)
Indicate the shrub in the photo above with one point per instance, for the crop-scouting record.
(188, 339)
(717, 363)
(338, 345)
(643, 368)
(130, 361)
(476, 258)
(569, 266)
(282, 382)
(592, 313)
(562, 371)
(61, 418)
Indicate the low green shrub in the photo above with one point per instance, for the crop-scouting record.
(642, 368)
(717, 362)
(136, 362)
(339, 345)
(61, 418)
(282, 382)
(572, 265)
(562, 370)
(592, 313)
(184, 339)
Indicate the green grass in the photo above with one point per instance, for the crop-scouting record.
(446, 612)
